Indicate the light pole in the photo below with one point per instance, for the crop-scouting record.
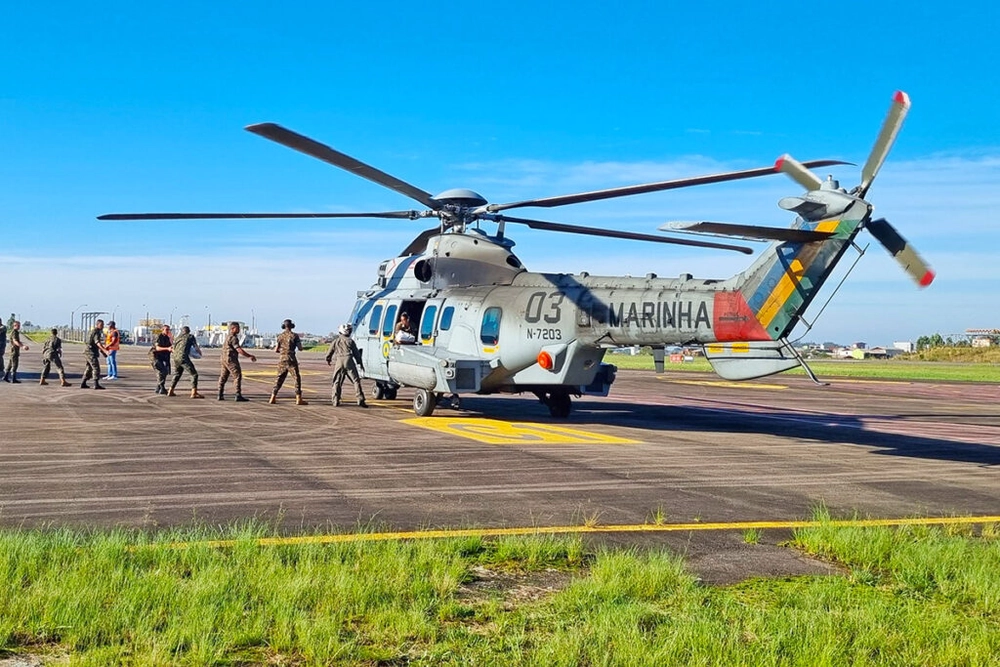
(72, 317)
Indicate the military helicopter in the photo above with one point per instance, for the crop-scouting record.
(485, 324)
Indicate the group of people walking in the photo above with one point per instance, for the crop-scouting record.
(171, 356)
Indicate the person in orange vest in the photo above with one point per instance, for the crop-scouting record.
(112, 341)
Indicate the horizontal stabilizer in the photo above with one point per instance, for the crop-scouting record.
(746, 232)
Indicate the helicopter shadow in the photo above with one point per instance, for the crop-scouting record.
(831, 428)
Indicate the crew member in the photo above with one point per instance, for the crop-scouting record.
(161, 358)
(404, 332)
(345, 352)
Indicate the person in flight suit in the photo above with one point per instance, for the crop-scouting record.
(231, 351)
(14, 356)
(287, 344)
(52, 356)
(345, 351)
(180, 358)
(93, 346)
(161, 357)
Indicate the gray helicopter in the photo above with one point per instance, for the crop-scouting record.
(484, 324)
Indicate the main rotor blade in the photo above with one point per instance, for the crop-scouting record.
(799, 172)
(886, 137)
(403, 215)
(746, 232)
(563, 200)
(304, 144)
(901, 251)
(614, 234)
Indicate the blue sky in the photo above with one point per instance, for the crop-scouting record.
(132, 108)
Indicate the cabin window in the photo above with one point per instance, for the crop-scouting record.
(375, 319)
(490, 331)
(356, 313)
(427, 325)
(446, 316)
(389, 322)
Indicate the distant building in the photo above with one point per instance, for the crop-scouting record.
(904, 346)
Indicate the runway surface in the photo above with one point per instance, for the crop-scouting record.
(678, 447)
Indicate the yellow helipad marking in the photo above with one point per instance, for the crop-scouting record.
(579, 530)
(724, 383)
(495, 432)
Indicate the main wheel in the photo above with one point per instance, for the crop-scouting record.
(390, 393)
(560, 404)
(379, 391)
(424, 403)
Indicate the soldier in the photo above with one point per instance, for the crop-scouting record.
(287, 344)
(14, 356)
(52, 356)
(180, 357)
(93, 346)
(161, 358)
(231, 351)
(348, 357)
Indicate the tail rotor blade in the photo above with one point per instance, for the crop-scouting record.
(902, 251)
(886, 137)
(786, 164)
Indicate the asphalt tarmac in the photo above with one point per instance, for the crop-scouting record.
(675, 447)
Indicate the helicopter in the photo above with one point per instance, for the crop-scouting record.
(485, 324)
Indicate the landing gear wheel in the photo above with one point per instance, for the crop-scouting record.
(560, 404)
(390, 393)
(424, 403)
(379, 391)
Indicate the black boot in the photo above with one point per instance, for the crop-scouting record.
(97, 386)
(221, 396)
(84, 385)
(240, 399)
(13, 379)
(6, 377)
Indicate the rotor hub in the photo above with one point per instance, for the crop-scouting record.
(461, 197)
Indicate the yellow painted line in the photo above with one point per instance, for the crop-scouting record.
(581, 530)
(726, 383)
(496, 432)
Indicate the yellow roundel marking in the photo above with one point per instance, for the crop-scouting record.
(385, 349)
(495, 432)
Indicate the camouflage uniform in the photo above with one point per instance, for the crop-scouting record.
(91, 356)
(346, 356)
(14, 356)
(52, 356)
(180, 358)
(288, 342)
(231, 364)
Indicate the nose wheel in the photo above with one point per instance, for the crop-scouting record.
(424, 402)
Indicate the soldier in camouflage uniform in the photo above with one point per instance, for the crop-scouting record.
(52, 356)
(181, 360)
(287, 344)
(345, 351)
(92, 348)
(231, 351)
(14, 356)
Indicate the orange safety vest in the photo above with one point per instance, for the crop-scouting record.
(112, 339)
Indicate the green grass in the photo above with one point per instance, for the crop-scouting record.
(908, 596)
(895, 369)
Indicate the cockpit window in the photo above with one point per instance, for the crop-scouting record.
(489, 333)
